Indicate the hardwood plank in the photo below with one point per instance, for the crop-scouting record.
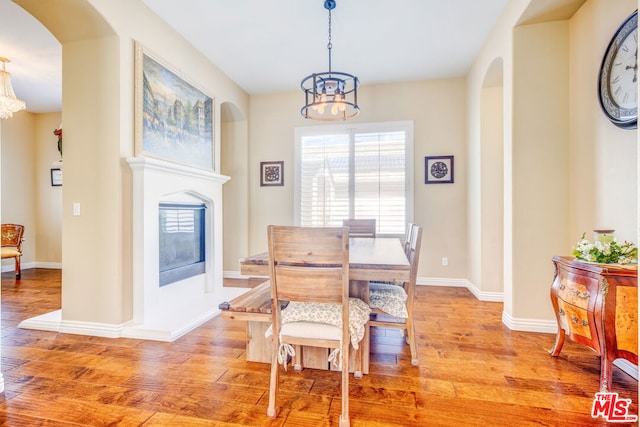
(473, 371)
(79, 411)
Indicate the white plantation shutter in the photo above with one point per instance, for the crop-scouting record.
(361, 171)
(324, 179)
(380, 180)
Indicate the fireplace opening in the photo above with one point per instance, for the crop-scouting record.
(182, 241)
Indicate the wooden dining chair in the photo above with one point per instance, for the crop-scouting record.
(392, 305)
(309, 268)
(407, 238)
(360, 227)
(12, 244)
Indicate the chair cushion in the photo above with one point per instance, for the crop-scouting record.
(9, 252)
(391, 299)
(328, 315)
(311, 330)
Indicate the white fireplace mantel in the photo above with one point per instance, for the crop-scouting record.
(153, 164)
(167, 312)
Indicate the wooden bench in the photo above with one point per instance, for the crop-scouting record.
(255, 265)
(254, 307)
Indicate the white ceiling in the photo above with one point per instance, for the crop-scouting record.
(267, 46)
(36, 59)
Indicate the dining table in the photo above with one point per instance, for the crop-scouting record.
(380, 259)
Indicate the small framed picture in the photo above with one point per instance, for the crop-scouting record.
(271, 174)
(56, 177)
(438, 170)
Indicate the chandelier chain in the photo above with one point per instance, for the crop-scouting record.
(329, 45)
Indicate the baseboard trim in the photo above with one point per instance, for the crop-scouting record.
(441, 281)
(51, 265)
(10, 266)
(28, 265)
(44, 322)
(234, 275)
(483, 295)
(153, 330)
(529, 325)
(164, 333)
(53, 322)
(627, 367)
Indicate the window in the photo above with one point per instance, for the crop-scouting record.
(355, 171)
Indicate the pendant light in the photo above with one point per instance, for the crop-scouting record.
(330, 95)
(9, 103)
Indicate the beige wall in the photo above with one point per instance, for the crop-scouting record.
(97, 39)
(491, 187)
(603, 167)
(497, 50)
(540, 156)
(437, 111)
(48, 198)
(562, 157)
(19, 146)
(234, 160)
(29, 149)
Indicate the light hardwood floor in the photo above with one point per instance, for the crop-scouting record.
(473, 371)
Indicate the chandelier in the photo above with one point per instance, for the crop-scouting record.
(9, 104)
(330, 95)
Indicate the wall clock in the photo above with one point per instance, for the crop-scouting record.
(618, 80)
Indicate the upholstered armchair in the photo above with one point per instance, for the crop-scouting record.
(12, 244)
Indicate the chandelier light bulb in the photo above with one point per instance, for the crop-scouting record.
(9, 103)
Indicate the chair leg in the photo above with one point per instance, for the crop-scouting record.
(18, 271)
(344, 416)
(297, 358)
(272, 411)
(357, 369)
(411, 340)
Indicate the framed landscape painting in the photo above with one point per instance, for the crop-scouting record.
(174, 119)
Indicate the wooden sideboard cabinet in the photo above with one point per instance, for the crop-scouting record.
(597, 305)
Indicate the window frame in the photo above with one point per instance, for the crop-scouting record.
(351, 129)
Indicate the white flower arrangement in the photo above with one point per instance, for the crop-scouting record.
(606, 253)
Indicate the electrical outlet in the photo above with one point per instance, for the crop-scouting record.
(445, 261)
(76, 208)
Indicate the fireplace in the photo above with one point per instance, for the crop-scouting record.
(181, 246)
(191, 199)
(185, 202)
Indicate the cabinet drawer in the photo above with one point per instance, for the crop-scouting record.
(573, 292)
(574, 319)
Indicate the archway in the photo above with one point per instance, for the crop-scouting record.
(234, 137)
(492, 180)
